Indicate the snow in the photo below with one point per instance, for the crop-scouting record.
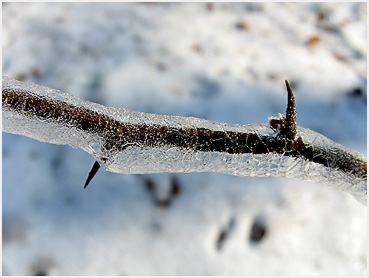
(187, 60)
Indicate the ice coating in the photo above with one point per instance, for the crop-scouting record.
(130, 142)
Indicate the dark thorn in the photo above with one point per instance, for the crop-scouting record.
(291, 115)
(225, 233)
(356, 92)
(92, 173)
(173, 193)
(258, 230)
(150, 185)
(176, 188)
(221, 238)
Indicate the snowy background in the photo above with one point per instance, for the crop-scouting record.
(222, 62)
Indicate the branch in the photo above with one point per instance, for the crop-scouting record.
(130, 142)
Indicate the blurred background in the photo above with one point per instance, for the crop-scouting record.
(225, 62)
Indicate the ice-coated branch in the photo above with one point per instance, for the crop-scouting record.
(128, 142)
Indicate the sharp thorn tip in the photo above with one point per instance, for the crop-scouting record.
(92, 173)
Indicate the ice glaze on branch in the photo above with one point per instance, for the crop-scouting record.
(133, 142)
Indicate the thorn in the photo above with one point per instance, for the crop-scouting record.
(92, 173)
(291, 115)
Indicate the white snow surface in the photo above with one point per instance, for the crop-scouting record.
(221, 62)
